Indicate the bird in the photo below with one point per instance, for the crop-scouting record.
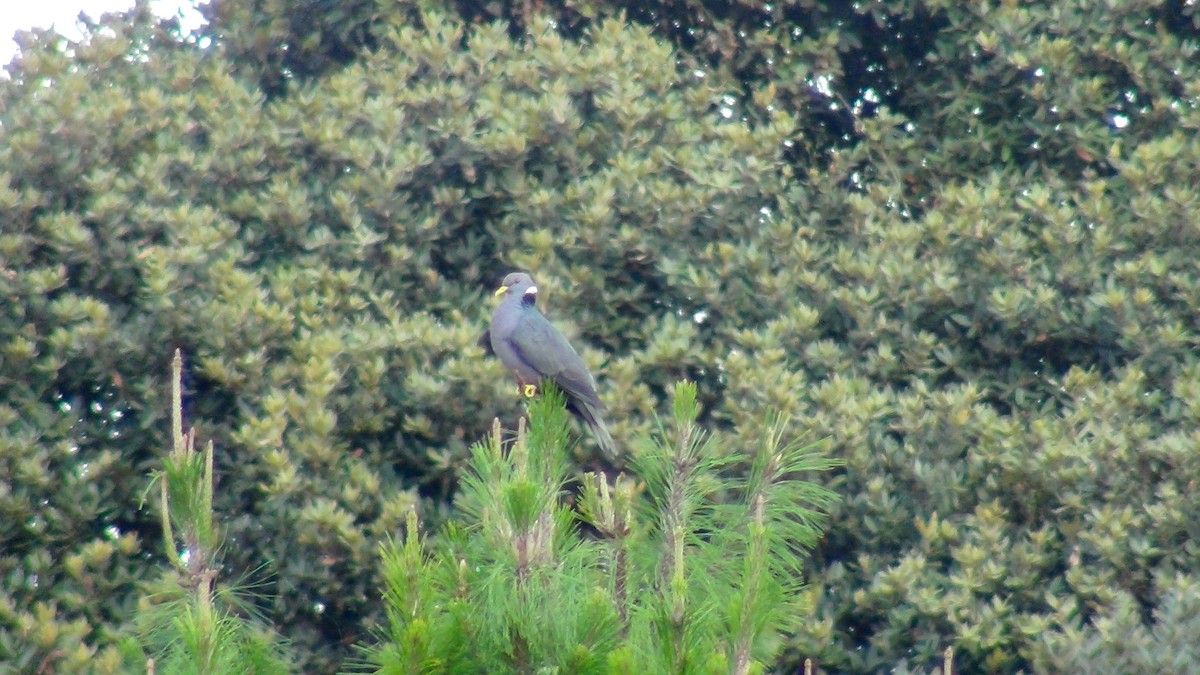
(533, 350)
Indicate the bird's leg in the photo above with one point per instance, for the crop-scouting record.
(529, 390)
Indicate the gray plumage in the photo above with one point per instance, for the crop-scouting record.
(532, 349)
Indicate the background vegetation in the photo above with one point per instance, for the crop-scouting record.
(958, 239)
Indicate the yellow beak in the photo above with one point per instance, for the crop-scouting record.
(501, 291)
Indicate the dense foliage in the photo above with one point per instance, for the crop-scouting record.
(688, 564)
(958, 239)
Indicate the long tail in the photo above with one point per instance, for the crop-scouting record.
(591, 417)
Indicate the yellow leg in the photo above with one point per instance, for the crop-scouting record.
(529, 390)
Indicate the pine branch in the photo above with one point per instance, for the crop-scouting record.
(671, 579)
(188, 628)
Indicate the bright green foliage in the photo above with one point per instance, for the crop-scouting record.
(191, 622)
(677, 581)
(956, 238)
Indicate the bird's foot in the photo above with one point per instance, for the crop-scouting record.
(529, 390)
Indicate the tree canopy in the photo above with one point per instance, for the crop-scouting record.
(959, 240)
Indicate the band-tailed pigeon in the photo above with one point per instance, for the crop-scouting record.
(533, 349)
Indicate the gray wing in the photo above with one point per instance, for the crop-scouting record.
(542, 348)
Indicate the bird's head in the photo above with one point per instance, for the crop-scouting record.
(518, 285)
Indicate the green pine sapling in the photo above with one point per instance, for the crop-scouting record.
(189, 623)
(690, 564)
